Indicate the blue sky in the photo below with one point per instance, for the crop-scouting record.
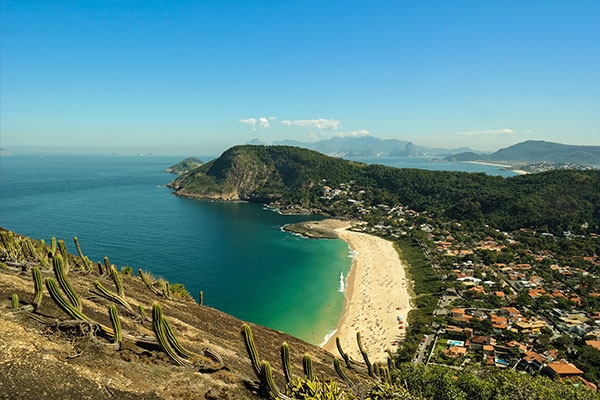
(186, 77)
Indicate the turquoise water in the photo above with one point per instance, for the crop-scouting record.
(236, 253)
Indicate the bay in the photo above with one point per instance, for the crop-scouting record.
(236, 253)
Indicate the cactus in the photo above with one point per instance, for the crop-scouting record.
(116, 323)
(174, 342)
(106, 264)
(8, 242)
(15, 300)
(307, 366)
(113, 296)
(117, 280)
(344, 355)
(67, 307)
(147, 279)
(3, 266)
(41, 246)
(63, 250)
(65, 285)
(38, 287)
(252, 351)
(159, 330)
(384, 373)
(63, 303)
(365, 355)
(86, 261)
(269, 383)
(341, 373)
(53, 246)
(28, 249)
(167, 290)
(201, 298)
(285, 361)
(142, 311)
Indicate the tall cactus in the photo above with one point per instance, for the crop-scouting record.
(285, 361)
(15, 301)
(65, 285)
(114, 274)
(159, 330)
(63, 303)
(307, 367)
(201, 298)
(252, 351)
(38, 287)
(384, 374)
(341, 373)
(86, 261)
(142, 311)
(269, 383)
(63, 251)
(106, 266)
(53, 246)
(344, 355)
(113, 296)
(174, 342)
(116, 323)
(364, 355)
(147, 279)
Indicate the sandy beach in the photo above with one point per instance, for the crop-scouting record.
(377, 296)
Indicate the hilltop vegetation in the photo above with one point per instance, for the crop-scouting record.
(185, 166)
(554, 201)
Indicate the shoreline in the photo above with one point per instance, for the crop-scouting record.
(504, 166)
(376, 295)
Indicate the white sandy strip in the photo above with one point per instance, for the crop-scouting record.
(376, 296)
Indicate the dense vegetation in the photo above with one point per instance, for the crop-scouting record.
(554, 201)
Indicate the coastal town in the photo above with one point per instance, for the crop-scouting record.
(525, 300)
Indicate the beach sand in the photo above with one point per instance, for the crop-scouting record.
(377, 295)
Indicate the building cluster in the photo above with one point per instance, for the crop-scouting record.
(508, 296)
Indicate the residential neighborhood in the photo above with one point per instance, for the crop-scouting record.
(526, 300)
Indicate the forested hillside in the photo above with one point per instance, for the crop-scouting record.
(553, 201)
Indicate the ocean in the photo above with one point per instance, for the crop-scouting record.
(235, 253)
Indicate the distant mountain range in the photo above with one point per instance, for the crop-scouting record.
(369, 146)
(534, 151)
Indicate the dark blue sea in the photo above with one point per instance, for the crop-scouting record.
(236, 253)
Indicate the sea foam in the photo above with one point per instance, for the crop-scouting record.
(327, 337)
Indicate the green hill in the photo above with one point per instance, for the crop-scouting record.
(185, 166)
(555, 200)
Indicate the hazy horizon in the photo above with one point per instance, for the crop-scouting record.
(195, 78)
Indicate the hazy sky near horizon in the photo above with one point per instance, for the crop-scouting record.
(196, 77)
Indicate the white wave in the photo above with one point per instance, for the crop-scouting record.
(353, 254)
(327, 337)
(342, 287)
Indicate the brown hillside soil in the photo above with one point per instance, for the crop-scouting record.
(47, 354)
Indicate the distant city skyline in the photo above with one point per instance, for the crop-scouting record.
(195, 78)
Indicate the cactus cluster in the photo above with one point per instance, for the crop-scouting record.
(167, 341)
(262, 369)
